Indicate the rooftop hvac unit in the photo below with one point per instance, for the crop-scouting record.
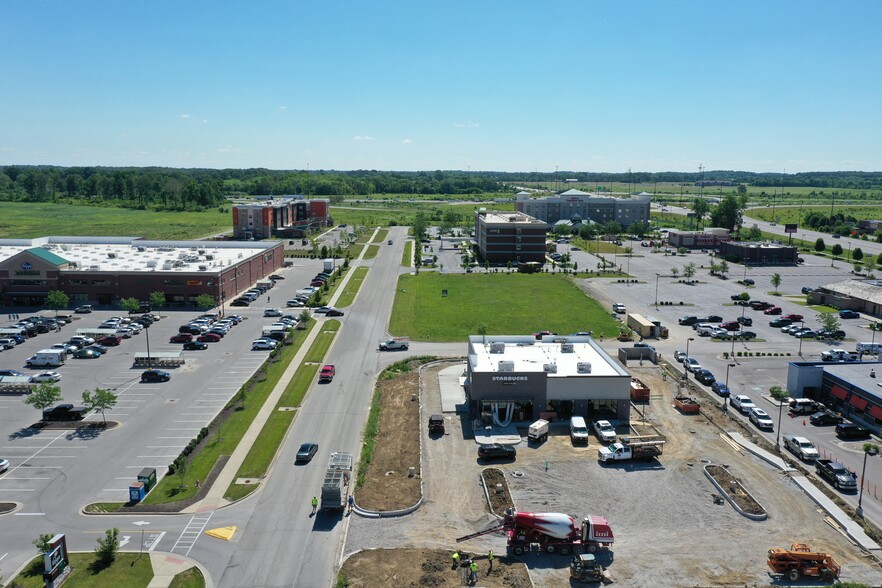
(94, 268)
(550, 368)
(203, 268)
(142, 249)
(151, 263)
(202, 252)
(209, 257)
(506, 366)
(65, 247)
(497, 347)
(566, 348)
(583, 367)
(111, 255)
(168, 265)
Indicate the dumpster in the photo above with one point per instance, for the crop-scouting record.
(148, 477)
(137, 492)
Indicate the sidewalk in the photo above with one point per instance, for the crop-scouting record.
(852, 529)
(214, 499)
(167, 565)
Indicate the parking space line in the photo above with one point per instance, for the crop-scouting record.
(164, 446)
(16, 490)
(51, 457)
(29, 478)
(188, 421)
(155, 456)
(174, 437)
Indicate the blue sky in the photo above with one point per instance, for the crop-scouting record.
(480, 85)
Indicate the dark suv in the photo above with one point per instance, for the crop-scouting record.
(851, 431)
(155, 376)
(496, 451)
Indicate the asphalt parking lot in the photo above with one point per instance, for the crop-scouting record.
(156, 419)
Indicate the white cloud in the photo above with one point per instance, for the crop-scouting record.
(283, 108)
(458, 125)
(406, 141)
(363, 138)
(185, 115)
(471, 124)
(204, 121)
(7, 149)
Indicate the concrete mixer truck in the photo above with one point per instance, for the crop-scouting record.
(551, 532)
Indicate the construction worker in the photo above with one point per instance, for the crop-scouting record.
(455, 558)
(314, 504)
(473, 568)
(490, 559)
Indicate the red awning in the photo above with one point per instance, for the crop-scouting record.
(839, 392)
(876, 412)
(858, 402)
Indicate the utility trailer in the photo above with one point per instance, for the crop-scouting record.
(335, 488)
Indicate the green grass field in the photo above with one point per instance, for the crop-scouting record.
(21, 220)
(407, 256)
(372, 251)
(508, 304)
(130, 569)
(381, 236)
(795, 214)
(352, 287)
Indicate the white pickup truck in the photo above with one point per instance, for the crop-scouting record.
(632, 447)
(801, 447)
(394, 344)
(839, 355)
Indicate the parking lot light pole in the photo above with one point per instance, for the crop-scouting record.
(685, 371)
(801, 325)
(656, 289)
(147, 335)
(869, 449)
(725, 404)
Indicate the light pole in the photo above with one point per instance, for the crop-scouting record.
(869, 449)
(873, 326)
(801, 325)
(656, 290)
(147, 336)
(223, 299)
(725, 405)
(685, 371)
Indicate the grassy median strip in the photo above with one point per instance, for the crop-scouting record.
(372, 251)
(380, 236)
(347, 297)
(223, 441)
(407, 256)
(270, 438)
(129, 569)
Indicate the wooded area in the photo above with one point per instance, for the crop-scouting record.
(154, 188)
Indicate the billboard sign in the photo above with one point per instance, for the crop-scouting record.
(790, 228)
(55, 559)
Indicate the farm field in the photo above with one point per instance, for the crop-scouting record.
(24, 220)
(503, 302)
(795, 214)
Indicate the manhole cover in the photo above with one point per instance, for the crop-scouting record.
(517, 474)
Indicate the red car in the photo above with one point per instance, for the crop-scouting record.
(317, 283)
(731, 326)
(327, 373)
(796, 318)
(773, 310)
(208, 338)
(110, 340)
(181, 338)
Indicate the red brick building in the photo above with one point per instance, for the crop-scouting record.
(281, 217)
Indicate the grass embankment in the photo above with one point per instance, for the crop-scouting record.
(504, 303)
(347, 297)
(407, 256)
(372, 251)
(381, 236)
(243, 409)
(25, 220)
(270, 438)
(132, 570)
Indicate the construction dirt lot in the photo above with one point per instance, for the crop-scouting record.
(668, 528)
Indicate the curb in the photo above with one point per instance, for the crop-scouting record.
(755, 517)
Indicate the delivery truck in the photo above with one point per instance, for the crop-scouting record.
(47, 358)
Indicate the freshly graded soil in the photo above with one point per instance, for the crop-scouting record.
(735, 489)
(500, 499)
(413, 567)
(387, 485)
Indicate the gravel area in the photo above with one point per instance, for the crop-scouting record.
(662, 512)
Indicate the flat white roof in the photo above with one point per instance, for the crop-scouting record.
(531, 355)
(131, 254)
(509, 217)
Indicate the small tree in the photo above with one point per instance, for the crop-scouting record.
(56, 300)
(157, 299)
(754, 234)
(99, 400)
(129, 304)
(324, 251)
(723, 268)
(857, 254)
(858, 267)
(837, 250)
(304, 317)
(44, 396)
(108, 546)
(829, 321)
(689, 270)
(42, 542)
(205, 301)
(776, 281)
(820, 246)
(482, 331)
(675, 272)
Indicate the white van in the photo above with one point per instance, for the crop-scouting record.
(578, 431)
(867, 347)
